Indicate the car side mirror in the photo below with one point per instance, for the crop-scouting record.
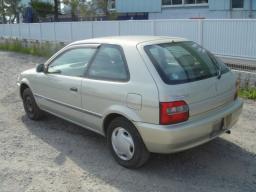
(40, 68)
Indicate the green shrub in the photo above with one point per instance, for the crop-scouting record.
(248, 93)
(45, 49)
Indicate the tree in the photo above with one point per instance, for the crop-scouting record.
(3, 11)
(87, 12)
(74, 4)
(80, 8)
(13, 8)
(41, 8)
(56, 10)
(89, 9)
(103, 6)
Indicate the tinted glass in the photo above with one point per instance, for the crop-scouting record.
(237, 3)
(180, 2)
(171, 2)
(190, 1)
(181, 62)
(201, 1)
(72, 62)
(176, 2)
(109, 64)
(166, 2)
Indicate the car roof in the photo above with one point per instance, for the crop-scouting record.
(125, 40)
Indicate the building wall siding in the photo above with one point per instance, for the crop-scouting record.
(219, 4)
(217, 9)
(126, 6)
(254, 5)
(186, 13)
(247, 5)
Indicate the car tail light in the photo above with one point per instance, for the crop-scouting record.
(237, 89)
(173, 112)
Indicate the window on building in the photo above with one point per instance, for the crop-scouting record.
(237, 4)
(176, 2)
(190, 1)
(195, 1)
(201, 1)
(172, 2)
(183, 2)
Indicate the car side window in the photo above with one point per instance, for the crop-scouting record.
(73, 62)
(109, 64)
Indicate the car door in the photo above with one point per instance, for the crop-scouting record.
(58, 90)
(106, 83)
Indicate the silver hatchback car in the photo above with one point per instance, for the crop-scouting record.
(144, 93)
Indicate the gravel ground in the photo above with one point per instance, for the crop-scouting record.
(54, 155)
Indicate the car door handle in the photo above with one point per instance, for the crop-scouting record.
(73, 89)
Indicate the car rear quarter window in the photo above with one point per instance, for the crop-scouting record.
(181, 62)
(109, 64)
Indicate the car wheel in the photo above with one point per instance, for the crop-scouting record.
(126, 144)
(32, 110)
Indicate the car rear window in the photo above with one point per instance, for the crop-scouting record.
(181, 62)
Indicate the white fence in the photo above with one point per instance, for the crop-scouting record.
(233, 38)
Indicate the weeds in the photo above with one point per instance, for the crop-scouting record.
(38, 49)
(248, 93)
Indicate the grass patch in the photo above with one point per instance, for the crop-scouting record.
(248, 93)
(38, 49)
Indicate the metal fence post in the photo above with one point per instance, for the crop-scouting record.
(200, 32)
(153, 27)
(119, 28)
(19, 31)
(41, 35)
(54, 26)
(71, 32)
(92, 29)
(29, 33)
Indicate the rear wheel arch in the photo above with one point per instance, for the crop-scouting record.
(108, 119)
(119, 111)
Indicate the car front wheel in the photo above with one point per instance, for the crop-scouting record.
(126, 144)
(32, 110)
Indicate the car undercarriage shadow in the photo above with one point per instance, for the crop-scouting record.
(219, 163)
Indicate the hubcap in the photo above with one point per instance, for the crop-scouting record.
(122, 143)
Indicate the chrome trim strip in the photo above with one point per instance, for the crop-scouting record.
(69, 106)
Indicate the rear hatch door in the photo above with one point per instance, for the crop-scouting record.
(201, 96)
(191, 73)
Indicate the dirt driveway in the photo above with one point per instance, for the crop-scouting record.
(54, 155)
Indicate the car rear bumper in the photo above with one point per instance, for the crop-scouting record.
(196, 131)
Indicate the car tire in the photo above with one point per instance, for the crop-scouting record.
(32, 110)
(120, 129)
